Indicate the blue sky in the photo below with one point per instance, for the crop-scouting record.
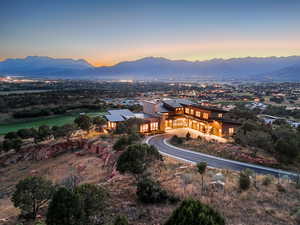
(106, 32)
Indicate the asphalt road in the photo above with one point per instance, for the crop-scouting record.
(160, 142)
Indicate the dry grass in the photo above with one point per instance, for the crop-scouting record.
(262, 205)
(54, 169)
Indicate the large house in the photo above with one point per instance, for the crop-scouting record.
(159, 116)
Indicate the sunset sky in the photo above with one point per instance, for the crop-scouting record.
(107, 32)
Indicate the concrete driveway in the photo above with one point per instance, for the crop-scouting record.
(160, 142)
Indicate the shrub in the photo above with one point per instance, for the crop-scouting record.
(280, 188)
(188, 136)
(98, 121)
(121, 143)
(121, 220)
(40, 223)
(249, 172)
(244, 181)
(124, 141)
(129, 126)
(9, 144)
(176, 140)
(288, 148)
(11, 135)
(267, 180)
(193, 212)
(137, 158)
(26, 133)
(297, 216)
(133, 137)
(199, 138)
(149, 191)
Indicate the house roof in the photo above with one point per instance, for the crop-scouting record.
(228, 121)
(119, 115)
(162, 109)
(114, 118)
(176, 103)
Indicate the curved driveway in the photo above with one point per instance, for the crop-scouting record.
(159, 141)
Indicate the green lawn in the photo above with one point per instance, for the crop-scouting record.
(50, 121)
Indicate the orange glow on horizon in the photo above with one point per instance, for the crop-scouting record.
(191, 51)
(202, 51)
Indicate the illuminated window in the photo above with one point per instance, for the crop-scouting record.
(144, 128)
(192, 112)
(179, 110)
(112, 125)
(154, 126)
(220, 115)
(231, 131)
(205, 115)
(187, 110)
(198, 114)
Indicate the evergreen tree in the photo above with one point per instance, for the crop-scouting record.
(31, 194)
(201, 166)
(84, 122)
(192, 212)
(65, 208)
(121, 220)
(92, 198)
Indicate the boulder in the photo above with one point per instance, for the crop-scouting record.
(219, 177)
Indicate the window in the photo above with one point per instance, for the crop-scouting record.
(231, 131)
(220, 115)
(154, 126)
(111, 125)
(192, 112)
(179, 110)
(187, 110)
(144, 128)
(198, 114)
(205, 116)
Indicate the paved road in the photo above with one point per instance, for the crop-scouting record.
(164, 148)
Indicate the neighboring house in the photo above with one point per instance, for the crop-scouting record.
(256, 105)
(159, 116)
(270, 120)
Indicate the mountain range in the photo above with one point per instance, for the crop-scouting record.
(249, 68)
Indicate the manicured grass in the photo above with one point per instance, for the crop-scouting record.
(50, 121)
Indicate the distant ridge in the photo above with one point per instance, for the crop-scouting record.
(248, 68)
(42, 66)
